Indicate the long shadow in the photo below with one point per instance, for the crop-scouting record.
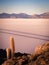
(24, 34)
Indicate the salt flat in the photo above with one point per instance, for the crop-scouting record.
(21, 27)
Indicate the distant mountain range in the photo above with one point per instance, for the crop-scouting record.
(24, 15)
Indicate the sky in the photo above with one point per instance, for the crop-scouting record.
(24, 6)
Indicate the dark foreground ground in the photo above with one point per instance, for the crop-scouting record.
(40, 57)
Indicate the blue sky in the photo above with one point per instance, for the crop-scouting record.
(24, 6)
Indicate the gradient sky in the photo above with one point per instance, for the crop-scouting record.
(24, 6)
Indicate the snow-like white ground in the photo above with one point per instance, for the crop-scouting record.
(27, 33)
